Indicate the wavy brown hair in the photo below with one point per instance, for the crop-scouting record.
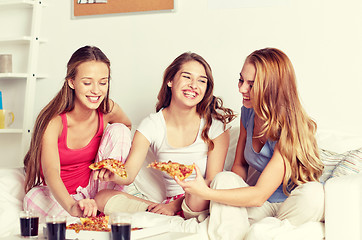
(276, 102)
(61, 103)
(210, 106)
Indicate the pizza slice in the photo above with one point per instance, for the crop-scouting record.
(112, 165)
(99, 223)
(173, 169)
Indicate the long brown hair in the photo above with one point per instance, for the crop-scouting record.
(61, 103)
(210, 106)
(276, 102)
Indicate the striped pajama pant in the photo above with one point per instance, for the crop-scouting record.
(115, 143)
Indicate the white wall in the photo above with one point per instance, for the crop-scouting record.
(322, 38)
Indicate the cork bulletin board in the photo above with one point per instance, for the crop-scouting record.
(120, 6)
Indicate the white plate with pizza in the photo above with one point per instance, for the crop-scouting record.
(97, 228)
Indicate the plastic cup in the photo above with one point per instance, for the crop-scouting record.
(56, 227)
(29, 224)
(121, 226)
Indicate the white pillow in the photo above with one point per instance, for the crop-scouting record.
(338, 142)
(330, 160)
(11, 199)
(351, 164)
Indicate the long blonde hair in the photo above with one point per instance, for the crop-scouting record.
(61, 103)
(276, 103)
(210, 107)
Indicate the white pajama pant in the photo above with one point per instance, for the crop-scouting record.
(304, 204)
(115, 143)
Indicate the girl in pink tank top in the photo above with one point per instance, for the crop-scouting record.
(69, 135)
(75, 163)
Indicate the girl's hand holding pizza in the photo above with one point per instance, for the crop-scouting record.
(108, 170)
(197, 186)
(104, 175)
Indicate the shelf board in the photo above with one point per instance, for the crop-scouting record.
(11, 130)
(13, 75)
(21, 39)
(19, 76)
(9, 3)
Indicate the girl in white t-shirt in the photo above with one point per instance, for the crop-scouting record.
(189, 126)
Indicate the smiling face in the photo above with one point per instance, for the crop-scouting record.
(90, 84)
(189, 85)
(246, 81)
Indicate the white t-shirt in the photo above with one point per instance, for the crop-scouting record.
(153, 128)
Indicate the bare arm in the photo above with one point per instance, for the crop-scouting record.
(216, 157)
(51, 170)
(240, 165)
(268, 182)
(215, 164)
(133, 164)
(117, 115)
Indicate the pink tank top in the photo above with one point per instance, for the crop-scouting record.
(74, 163)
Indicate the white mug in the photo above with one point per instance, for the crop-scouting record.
(6, 118)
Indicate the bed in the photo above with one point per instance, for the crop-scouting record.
(342, 178)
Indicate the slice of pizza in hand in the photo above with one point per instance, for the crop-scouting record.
(113, 165)
(173, 169)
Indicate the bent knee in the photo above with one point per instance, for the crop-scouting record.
(118, 129)
(311, 195)
(103, 196)
(227, 180)
(313, 190)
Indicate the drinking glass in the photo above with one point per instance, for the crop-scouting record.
(121, 226)
(29, 224)
(56, 227)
